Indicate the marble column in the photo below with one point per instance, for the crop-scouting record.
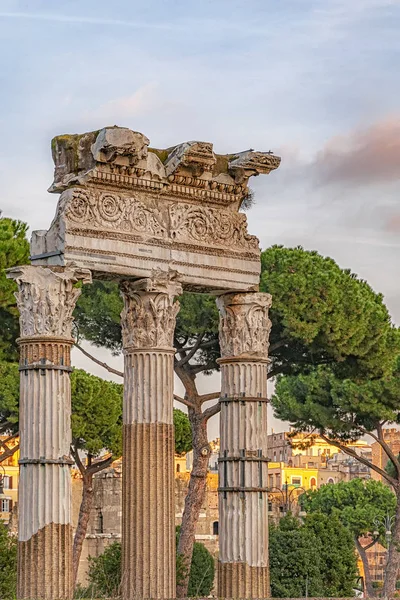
(46, 300)
(148, 492)
(243, 500)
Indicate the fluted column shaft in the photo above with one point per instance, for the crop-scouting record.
(243, 469)
(46, 300)
(148, 507)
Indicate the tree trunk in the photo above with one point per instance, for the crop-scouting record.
(195, 497)
(368, 587)
(83, 520)
(393, 561)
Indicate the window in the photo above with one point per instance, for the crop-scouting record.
(178, 468)
(6, 505)
(215, 527)
(100, 521)
(313, 482)
(296, 480)
(7, 482)
(331, 480)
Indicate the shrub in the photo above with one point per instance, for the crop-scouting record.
(8, 564)
(105, 573)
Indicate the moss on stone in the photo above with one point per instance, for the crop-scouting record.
(162, 154)
(221, 166)
(70, 142)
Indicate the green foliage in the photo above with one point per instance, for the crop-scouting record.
(97, 317)
(9, 397)
(14, 250)
(105, 573)
(201, 578)
(8, 564)
(324, 314)
(320, 314)
(183, 432)
(356, 503)
(337, 554)
(391, 469)
(317, 557)
(342, 409)
(202, 569)
(96, 413)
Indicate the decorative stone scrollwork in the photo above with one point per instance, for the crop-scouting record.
(112, 211)
(150, 309)
(46, 299)
(210, 226)
(244, 324)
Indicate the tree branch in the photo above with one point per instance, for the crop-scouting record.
(98, 362)
(276, 345)
(192, 351)
(210, 412)
(200, 368)
(361, 459)
(8, 452)
(184, 401)
(368, 546)
(99, 466)
(208, 397)
(76, 457)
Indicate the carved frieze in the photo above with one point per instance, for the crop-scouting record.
(177, 222)
(150, 309)
(116, 212)
(244, 324)
(210, 226)
(46, 299)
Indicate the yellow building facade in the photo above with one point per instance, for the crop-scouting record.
(9, 469)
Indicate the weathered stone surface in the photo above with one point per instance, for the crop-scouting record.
(46, 300)
(244, 324)
(148, 515)
(150, 309)
(126, 209)
(243, 466)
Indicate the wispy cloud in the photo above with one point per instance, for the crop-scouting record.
(143, 100)
(362, 156)
(56, 18)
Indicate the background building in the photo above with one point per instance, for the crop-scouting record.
(11, 477)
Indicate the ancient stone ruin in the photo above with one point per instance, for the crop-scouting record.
(158, 222)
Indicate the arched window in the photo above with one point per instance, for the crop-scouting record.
(215, 528)
(331, 480)
(313, 482)
(178, 468)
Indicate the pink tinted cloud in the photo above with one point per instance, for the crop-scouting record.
(363, 156)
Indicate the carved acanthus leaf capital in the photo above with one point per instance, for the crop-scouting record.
(150, 309)
(46, 299)
(244, 324)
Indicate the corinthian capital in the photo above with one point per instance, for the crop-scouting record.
(150, 309)
(46, 299)
(244, 324)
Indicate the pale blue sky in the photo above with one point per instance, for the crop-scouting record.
(317, 81)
